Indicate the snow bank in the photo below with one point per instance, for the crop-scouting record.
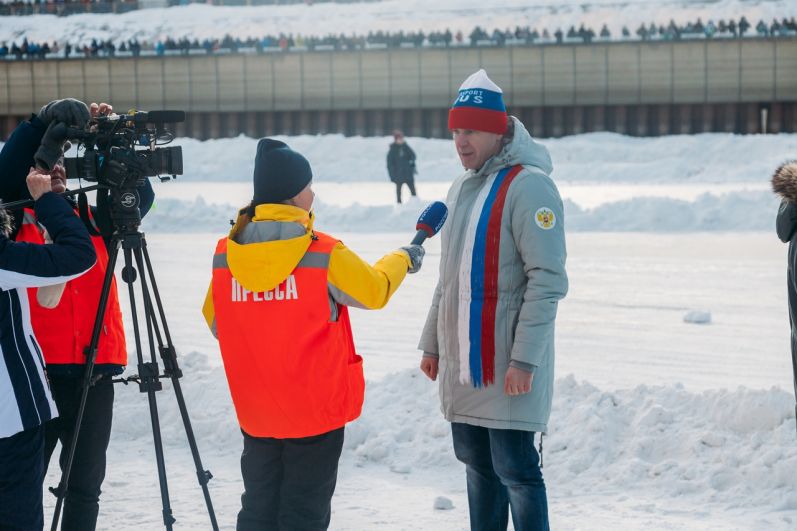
(591, 157)
(601, 160)
(748, 211)
(202, 21)
(734, 447)
(595, 162)
(731, 447)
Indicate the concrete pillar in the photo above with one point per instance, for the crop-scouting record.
(323, 122)
(359, 123)
(305, 122)
(416, 122)
(684, 119)
(557, 122)
(269, 127)
(537, 121)
(619, 119)
(776, 118)
(377, 123)
(663, 120)
(577, 120)
(598, 118)
(251, 124)
(641, 125)
(707, 117)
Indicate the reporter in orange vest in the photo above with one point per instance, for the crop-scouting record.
(278, 304)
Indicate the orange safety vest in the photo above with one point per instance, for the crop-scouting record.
(292, 371)
(64, 332)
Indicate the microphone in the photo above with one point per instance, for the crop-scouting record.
(430, 222)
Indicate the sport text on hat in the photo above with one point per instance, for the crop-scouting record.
(479, 106)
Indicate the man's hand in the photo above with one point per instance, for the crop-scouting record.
(69, 111)
(416, 253)
(517, 381)
(429, 366)
(38, 183)
(102, 109)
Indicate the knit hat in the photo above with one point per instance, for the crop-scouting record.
(280, 172)
(479, 106)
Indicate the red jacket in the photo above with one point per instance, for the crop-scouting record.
(64, 332)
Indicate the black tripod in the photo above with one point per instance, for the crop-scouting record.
(126, 218)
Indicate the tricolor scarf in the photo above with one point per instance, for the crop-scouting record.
(478, 281)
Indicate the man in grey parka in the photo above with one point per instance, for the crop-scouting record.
(490, 331)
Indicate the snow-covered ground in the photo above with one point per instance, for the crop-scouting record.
(657, 424)
(202, 21)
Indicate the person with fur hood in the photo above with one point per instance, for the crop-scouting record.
(489, 335)
(784, 183)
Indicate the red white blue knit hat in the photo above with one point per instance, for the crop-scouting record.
(479, 106)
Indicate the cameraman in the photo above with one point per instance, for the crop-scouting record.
(64, 328)
(25, 400)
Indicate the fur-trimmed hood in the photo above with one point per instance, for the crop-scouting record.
(784, 183)
(6, 222)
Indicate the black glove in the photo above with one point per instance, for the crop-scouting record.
(69, 111)
(51, 148)
(416, 253)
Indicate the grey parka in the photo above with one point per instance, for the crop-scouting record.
(531, 281)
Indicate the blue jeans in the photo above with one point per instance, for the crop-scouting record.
(503, 471)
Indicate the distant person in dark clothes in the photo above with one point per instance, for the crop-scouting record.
(401, 164)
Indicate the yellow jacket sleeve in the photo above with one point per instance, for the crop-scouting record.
(209, 311)
(353, 282)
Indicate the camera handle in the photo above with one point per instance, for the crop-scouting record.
(134, 247)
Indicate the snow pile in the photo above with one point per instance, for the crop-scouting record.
(748, 211)
(590, 157)
(203, 21)
(653, 175)
(730, 447)
(735, 168)
(743, 211)
(735, 448)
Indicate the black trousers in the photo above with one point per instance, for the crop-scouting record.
(410, 184)
(21, 477)
(289, 482)
(81, 504)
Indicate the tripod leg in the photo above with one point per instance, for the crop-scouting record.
(172, 370)
(88, 381)
(148, 372)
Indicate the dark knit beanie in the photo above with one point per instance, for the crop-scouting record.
(280, 172)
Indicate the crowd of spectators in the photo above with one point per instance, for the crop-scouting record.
(75, 7)
(521, 36)
(65, 7)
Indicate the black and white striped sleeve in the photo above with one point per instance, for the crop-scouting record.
(71, 254)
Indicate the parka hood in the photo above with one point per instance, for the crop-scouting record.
(263, 250)
(523, 150)
(784, 183)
